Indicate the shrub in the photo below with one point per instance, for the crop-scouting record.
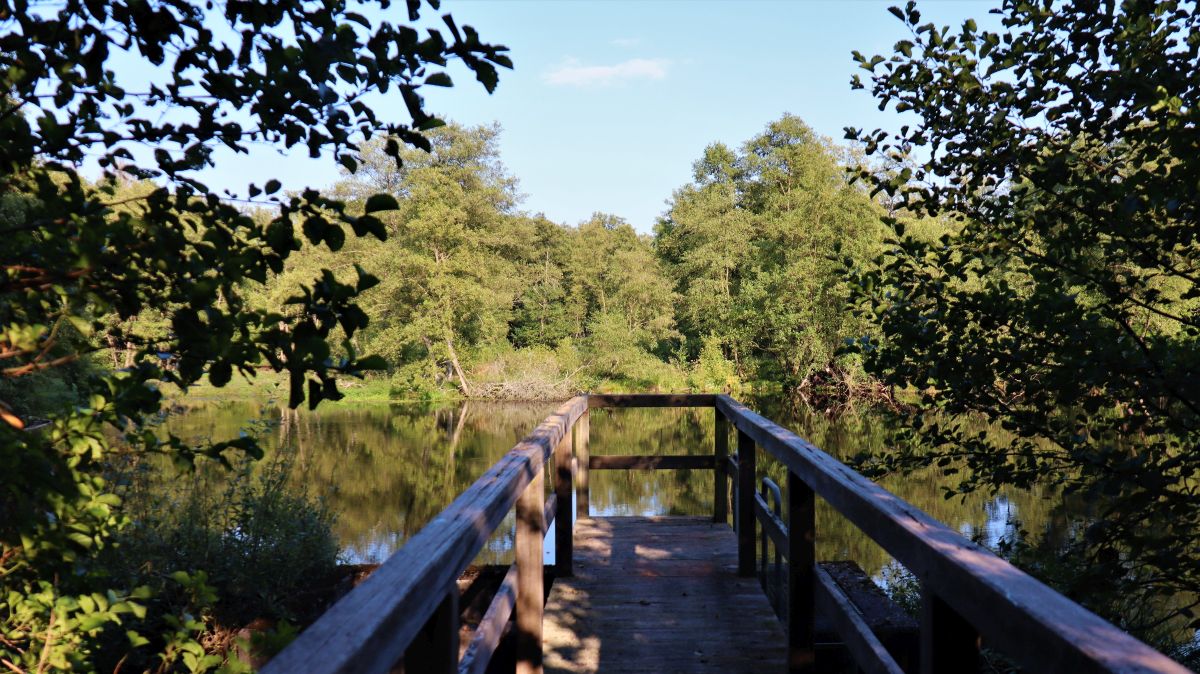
(713, 371)
(257, 535)
(219, 548)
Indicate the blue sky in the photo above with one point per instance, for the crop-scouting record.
(610, 102)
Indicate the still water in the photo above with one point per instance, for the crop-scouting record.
(386, 470)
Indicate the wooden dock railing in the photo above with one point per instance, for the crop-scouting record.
(407, 611)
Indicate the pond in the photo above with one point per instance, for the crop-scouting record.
(387, 470)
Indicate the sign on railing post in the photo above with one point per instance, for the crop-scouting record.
(531, 532)
(721, 470)
(802, 561)
(745, 509)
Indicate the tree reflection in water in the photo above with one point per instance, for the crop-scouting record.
(387, 470)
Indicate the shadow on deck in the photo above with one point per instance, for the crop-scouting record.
(659, 594)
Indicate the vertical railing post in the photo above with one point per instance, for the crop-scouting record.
(948, 642)
(721, 470)
(582, 441)
(745, 504)
(564, 536)
(531, 532)
(435, 649)
(801, 575)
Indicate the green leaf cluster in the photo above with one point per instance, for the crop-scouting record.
(151, 264)
(751, 244)
(465, 277)
(1061, 300)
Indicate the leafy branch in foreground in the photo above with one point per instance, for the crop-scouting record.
(76, 253)
(1064, 305)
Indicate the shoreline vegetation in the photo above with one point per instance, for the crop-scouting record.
(836, 394)
(469, 297)
(1015, 274)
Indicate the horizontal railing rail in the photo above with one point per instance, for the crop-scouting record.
(408, 609)
(967, 590)
(415, 594)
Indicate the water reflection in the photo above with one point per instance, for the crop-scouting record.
(387, 470)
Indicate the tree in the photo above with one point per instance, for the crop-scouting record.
(615, 270)
(74, 252)
(450, 268)
(1063, 304)
(548, 310)
(750, 243)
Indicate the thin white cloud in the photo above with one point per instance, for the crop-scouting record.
(626, 41)
(575, 74)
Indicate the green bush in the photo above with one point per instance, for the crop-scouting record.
(713, 372)
(258, 537)
(215, 550)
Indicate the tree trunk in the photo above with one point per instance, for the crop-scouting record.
(114, 351)
(462, 379)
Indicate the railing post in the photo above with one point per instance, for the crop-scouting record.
(801, 575)
(948, 642)
(564, 533)
(435, 649)
(721, 470)
(745, 504)
(531, 532)
(582, 440)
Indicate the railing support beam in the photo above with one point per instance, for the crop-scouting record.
(949, 643)
(531, 532)
(564, 535)
(745, 501)
(802, 561)
(720, 472)
(582, 457)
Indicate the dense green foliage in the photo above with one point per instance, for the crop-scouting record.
(466, 280)
(750, 247)
(737, 286)
(79, 260)
(1065, 305)
(257, 549)
(1020, 261)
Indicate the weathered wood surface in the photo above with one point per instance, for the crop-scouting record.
(802, 561)
(613, 462)
(486, 638)
(884, 619)
(721, 479)
(744, 520)
(528, 549)
(564, 485)
(1017, 614)
(867, 650)
(651, 400)
(673, 594)
(582, 443)
(659, 594)
(370, 628)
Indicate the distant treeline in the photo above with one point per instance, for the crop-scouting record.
(739, 286)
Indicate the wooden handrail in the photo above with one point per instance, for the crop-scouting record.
(967, 590)
(370, 628)
(616, 462)
(1017, 614)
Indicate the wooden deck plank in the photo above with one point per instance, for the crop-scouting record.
(659, 594)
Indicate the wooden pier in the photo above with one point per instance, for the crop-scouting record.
(676, 594)
(659, 594)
